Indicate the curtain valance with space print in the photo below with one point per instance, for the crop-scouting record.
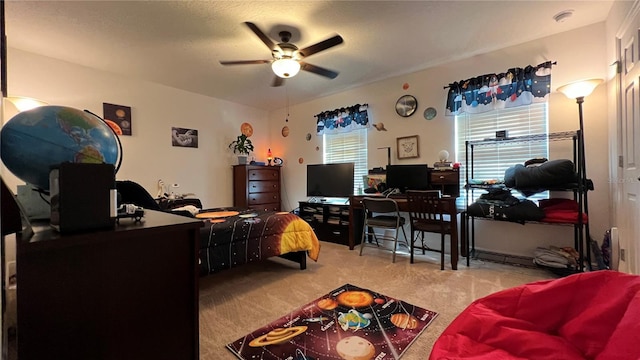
(515, 87)
(342, 120)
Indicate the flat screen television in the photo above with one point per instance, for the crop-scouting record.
(330, 180)
(408, 177)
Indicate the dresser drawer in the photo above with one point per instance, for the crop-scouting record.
(264, 174)
(264, 198)
(444, 177)
(266, 207)
(263, 186)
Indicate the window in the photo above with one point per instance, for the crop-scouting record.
(348, 147)
(490, 162)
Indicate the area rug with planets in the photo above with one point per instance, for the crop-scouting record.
(348, 323)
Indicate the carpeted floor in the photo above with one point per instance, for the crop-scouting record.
(237, 301)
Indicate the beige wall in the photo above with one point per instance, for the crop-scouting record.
(148, 154)
(580, 54)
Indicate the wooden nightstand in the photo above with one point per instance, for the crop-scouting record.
(445, 180)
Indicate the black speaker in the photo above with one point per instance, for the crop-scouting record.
(82, 197)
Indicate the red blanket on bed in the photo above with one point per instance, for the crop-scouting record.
(592, 315)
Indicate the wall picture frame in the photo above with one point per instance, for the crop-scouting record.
(408, 147)
(183, 137)
(118, 117)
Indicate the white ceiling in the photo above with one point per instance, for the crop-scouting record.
(180, 43)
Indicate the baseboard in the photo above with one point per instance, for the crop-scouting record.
(508, 259)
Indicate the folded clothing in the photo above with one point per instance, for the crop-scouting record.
(559, 210)
(556, 257)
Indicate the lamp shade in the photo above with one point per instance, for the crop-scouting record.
(285, 68)
(580, 88)
(25, 103)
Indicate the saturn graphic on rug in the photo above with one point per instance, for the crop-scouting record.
(277, 336)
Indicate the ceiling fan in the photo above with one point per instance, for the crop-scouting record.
(287, 58)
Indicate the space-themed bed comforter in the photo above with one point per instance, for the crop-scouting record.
(254, 235)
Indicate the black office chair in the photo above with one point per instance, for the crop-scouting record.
(382, 213)
(427, 216)
(130, 192)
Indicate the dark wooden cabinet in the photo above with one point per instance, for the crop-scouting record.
(256, 187)
(330, 221)
(445, 180)
(127, 293)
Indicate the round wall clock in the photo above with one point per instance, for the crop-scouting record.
(406, 105)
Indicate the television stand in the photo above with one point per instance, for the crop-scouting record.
(329, 219)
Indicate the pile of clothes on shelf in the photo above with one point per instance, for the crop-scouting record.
(560, 260)
(499, 204)
(534, 176)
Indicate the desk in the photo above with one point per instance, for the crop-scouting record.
(452, 207)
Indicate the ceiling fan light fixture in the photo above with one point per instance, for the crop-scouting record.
(285, 68)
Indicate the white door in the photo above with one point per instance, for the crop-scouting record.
(629, 138)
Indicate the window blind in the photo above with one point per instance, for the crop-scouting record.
(348, 147)
(491, 161)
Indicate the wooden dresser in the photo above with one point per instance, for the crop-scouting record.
(121, 294)
(256, 187)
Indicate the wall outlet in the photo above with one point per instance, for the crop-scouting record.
(622, 255)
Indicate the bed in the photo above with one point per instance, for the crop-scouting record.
(243, 236)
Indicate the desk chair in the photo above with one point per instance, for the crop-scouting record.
(130, 192)
(383, 214)
(426, 216)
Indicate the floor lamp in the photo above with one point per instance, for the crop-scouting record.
(579, 90)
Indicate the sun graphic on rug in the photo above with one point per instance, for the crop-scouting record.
(355, 299)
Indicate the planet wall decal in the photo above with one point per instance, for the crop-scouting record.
(246, 129)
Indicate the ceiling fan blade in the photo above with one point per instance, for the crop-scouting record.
(265, 39)
(245, 62)
(318, 70)
(277, 81)
(322, 45)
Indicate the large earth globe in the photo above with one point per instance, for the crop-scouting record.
(34, 141)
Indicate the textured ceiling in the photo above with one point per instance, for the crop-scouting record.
(180, 43)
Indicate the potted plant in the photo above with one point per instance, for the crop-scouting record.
(241, 145)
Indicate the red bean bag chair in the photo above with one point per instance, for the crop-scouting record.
(593, 315)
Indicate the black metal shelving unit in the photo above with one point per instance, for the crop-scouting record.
(580, 189)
